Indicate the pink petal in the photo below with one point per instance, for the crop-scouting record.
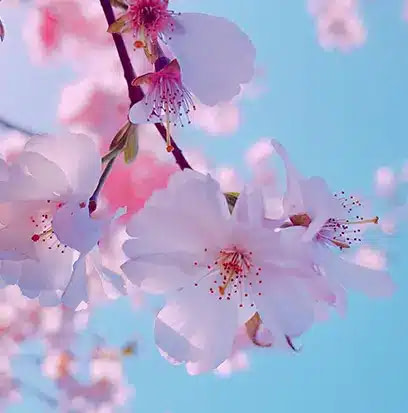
(187, 333)
(371, 282)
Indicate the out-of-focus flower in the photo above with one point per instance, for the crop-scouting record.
(68, 28)
(338, 23)
(385, 181)
(130, 186)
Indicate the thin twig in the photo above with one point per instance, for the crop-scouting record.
(12, 126)
(135, 92)
(102, 179)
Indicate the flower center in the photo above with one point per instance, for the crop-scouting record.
(338, 27)
(150, 18)
(340, 232)
(167, 96)
(232, 273)
(41, 223)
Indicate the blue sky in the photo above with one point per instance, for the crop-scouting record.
(340, 116)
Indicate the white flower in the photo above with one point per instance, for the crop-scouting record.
(215, 55)
(216, 269)
(329, 224)
(45, 217)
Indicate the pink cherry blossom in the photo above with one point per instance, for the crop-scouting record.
(259, 152)
(228, 179)
(68, 28)
(221, 119)
(371, 258)
(11, 144)
(131, 186)
(91, 106)
(166, 100)
(385, 181)
(225, 263)
(329, 224)
(46, 219)
(230, 64)
(340, 27)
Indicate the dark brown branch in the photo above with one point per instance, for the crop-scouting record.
(135, 92)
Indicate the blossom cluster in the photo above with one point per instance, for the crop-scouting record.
(103, 210)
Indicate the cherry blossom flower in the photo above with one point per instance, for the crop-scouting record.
(229, 65)
(132, 185)
(221, 119)
(340, 27)
(47, 230)
(214, 260)
(167, 100)
(385, 181)
(328, 225)
(68, 28)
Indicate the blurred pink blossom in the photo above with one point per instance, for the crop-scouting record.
(68, 28)
(338, 24)
(221, 119)
(371, 258)
(385, 181)
(131, 186)
(259, 152)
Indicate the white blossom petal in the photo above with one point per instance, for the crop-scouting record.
(285, 305)
(83, 174)
(74, 227)
(224, 60)
(209, 326)
(76, 290)
(374, 283)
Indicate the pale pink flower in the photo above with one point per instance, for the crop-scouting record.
(192, 249)
(228, 179)
(91, 106)
(385, 181)
(69, 28)
(259, 152)
(60, 327)
(340, 28)
(221, 119)
(46, 221)
(215, 71)
(329, 224)
(11, 144)
(371, 258)
(166, 100)
(20, 319)
(131, 186)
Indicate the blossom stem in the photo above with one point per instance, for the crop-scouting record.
(102, 179)
(135, 92)
(4, 123)
(111, 155)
